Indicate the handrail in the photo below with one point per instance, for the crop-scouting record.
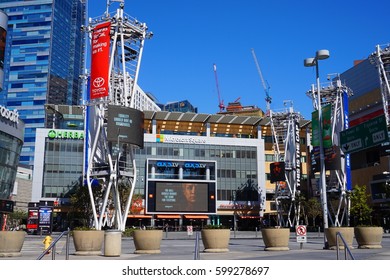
(53, 246)
(196, 251)
(346, 248)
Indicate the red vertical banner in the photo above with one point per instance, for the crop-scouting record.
(100, 60)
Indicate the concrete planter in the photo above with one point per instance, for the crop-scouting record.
(346, 232)
(369, 237)
(147, 241)
(215, 240)
(88, 242)
(276, 239)
(11, 243)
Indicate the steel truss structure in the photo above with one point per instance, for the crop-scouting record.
(285, 133)
(112, 165)
(336, 162)
(381, 59)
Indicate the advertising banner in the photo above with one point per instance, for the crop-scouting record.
(100, 60)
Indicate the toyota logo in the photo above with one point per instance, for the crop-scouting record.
(98, 82)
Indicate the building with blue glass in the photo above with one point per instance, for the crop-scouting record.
(44, 58)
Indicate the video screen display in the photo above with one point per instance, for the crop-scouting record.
(181, 197)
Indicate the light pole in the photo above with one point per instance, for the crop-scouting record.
(310, 62)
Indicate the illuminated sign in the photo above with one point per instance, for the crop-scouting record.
(166, 164)
(194, 165)
(125, 125)
(64, 134)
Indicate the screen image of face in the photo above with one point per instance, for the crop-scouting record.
(181, 197)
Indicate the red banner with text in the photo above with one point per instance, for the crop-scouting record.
(100, 60)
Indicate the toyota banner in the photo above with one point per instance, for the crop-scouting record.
(100, 60)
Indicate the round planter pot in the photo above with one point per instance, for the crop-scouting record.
(147, 241)
(88, 242)
(369, 237)
(11, 243)
(215, 240)
(346, 232)
(276, 239)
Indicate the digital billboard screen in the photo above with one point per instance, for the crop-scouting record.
(181, 197)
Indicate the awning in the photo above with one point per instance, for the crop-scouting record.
(196, 216)
(168, 217)
(139, 216)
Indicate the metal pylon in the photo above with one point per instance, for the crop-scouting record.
(335, 95)
(381, 59)
(285, 132)
(112, 164)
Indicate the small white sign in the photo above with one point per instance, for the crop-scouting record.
(189, 230)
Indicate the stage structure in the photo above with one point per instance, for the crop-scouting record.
(334, 107)
(114, 123)
(286, 170)
(381, 59)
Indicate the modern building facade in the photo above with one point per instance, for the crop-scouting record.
(11, 142)
(44, 59)
(364, 105)
(240, 146)
(179, 106)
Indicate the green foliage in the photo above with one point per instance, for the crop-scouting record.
(360, 210)
(81, 213)
(129, 232)
(83, 228)
(313, 209)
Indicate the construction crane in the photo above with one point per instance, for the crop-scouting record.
(220, 102)
(268, 98)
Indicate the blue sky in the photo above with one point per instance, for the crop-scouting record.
(192, 35)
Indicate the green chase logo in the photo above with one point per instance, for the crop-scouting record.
(63, 134)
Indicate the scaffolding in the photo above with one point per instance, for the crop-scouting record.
(111, 164)
(334, 99)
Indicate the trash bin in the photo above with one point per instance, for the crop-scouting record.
(112, 243)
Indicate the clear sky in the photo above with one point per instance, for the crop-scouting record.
(192, 35)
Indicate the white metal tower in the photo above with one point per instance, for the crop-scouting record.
(112, 163)
(334, 99)
(285, 132)
(381, 59)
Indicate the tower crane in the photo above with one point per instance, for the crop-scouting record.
(268, 98)
(220, 102)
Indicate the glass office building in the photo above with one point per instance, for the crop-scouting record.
(43, 61)
(11, 141)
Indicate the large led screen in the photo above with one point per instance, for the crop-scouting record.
(181, 197)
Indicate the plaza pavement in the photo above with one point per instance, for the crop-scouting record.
(180, 246)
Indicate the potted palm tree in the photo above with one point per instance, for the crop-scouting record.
(367, 236)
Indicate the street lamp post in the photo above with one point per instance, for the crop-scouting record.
(310, 62)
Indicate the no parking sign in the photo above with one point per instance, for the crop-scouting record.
(300, 231)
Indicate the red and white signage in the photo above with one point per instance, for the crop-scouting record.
(301, 233)
(100, 60)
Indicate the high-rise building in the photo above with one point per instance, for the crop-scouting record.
(43, 61)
